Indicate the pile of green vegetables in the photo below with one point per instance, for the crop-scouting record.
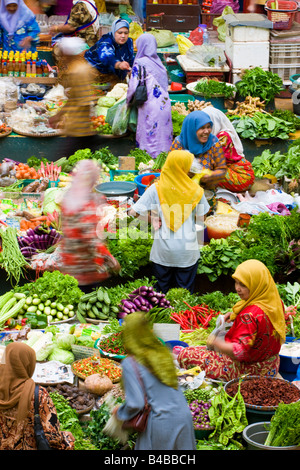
(272, 239)
(11, 258)
(263, 125)
(278, 164)
(208, 88)
(259, 83)
(103, 156)
(284, 427)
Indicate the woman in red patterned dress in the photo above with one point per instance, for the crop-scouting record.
(252, 344)
(17, 404)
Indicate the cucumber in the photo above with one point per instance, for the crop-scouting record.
(85, 297)
(100, 295)
(60, 307)
(105, 309)
(32, 309)
(88, 306)
(81, 311)
(95, 310)
(93, 299)
(41, 306)
(36, 301)
(99, 305)
(29, 300)
(19, 295)
(91, 314)
(82, 305)
(106, 298)
(114, 309)
(47, 310)
(102, 316)
(80, 317)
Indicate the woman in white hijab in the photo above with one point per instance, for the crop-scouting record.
(240, 175)
(18, 26)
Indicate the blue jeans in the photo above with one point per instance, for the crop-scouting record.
(168, 277)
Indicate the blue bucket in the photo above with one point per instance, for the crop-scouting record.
(138, 181)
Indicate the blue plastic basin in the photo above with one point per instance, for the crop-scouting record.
(138, 181)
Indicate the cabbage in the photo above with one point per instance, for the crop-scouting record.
(65, 341)
(44, 352)
(61, 355)
(106, 101)
(49, 202)
(101, 110)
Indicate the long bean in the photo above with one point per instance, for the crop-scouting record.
(12, 259)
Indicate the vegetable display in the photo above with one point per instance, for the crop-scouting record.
(95, 365)
(285, 426)
(142, 299)
(37, 239)
(96, 305)
(263, 125)
(260, 83)
(210, 88)
(194, 317)
(11, 258)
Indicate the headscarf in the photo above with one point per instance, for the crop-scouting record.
(188, 137)
(263, 293)
(72, 45)
(141, 343)
(11, 22)
(81, 189)
(118, 24)
(222, 123)
(147, 56)
(16, 384)
(178, 194)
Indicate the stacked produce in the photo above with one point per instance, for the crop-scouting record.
(194, 317)
(247, 107)
(142, 299)
(199, 404)
(97, 306)
(37, 239)
(285, 426)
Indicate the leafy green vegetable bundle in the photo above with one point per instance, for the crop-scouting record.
(210, 88)
(263, 125)
(260, 83)
(285, 426)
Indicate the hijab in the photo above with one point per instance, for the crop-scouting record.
(263, 293)
(176, 190)
(147, 56)
(16, 384)
(141, 343)
(81, 189)
(222, 123)
(11, 22)
(188, 137)
(118, 24)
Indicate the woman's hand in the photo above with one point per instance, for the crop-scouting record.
(156, 222)
(122, 66)
(26, 42)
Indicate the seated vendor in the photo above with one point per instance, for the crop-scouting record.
(196, 137)
(239, 176)
(19, 29)
(253, 341)
(112, 56)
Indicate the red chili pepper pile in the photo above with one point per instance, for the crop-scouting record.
(194, 317)
(113, 344)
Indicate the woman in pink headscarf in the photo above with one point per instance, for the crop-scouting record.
(18, 26)
(83, 251)
(154, 131)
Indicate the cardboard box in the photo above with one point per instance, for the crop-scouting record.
(126, 163)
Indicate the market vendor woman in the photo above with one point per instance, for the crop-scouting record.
(252, 344)
(18, 26)
(112, 56)
(197, 138)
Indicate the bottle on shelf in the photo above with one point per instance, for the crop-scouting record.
(28, 68)
(39, 69)
(10, 68)
(33, 68)
(4, 69)
(22, 68)
(17, 68)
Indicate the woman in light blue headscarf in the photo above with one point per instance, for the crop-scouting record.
(112, 56)
(18, 26)
(196, 137)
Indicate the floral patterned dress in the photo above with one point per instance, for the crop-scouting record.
(21, 437)
(256, 349)
(154, 132)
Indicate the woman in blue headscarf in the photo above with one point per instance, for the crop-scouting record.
(112, 56)
(196, 137)
(18, 26)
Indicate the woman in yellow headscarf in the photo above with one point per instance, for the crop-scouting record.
(149, 368)
(175, 203)
(252, 344)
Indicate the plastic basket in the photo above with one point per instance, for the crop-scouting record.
(282, 17)
(113, 173)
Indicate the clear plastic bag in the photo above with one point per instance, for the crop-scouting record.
(121, 118)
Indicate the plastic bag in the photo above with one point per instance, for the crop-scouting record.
(220, 23)
(164, 37)
(118, 117)
(220, 330)
(183, 44)
(196, 37)
(207, 55)
(135, 30)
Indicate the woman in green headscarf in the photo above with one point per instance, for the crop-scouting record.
(170, 425)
